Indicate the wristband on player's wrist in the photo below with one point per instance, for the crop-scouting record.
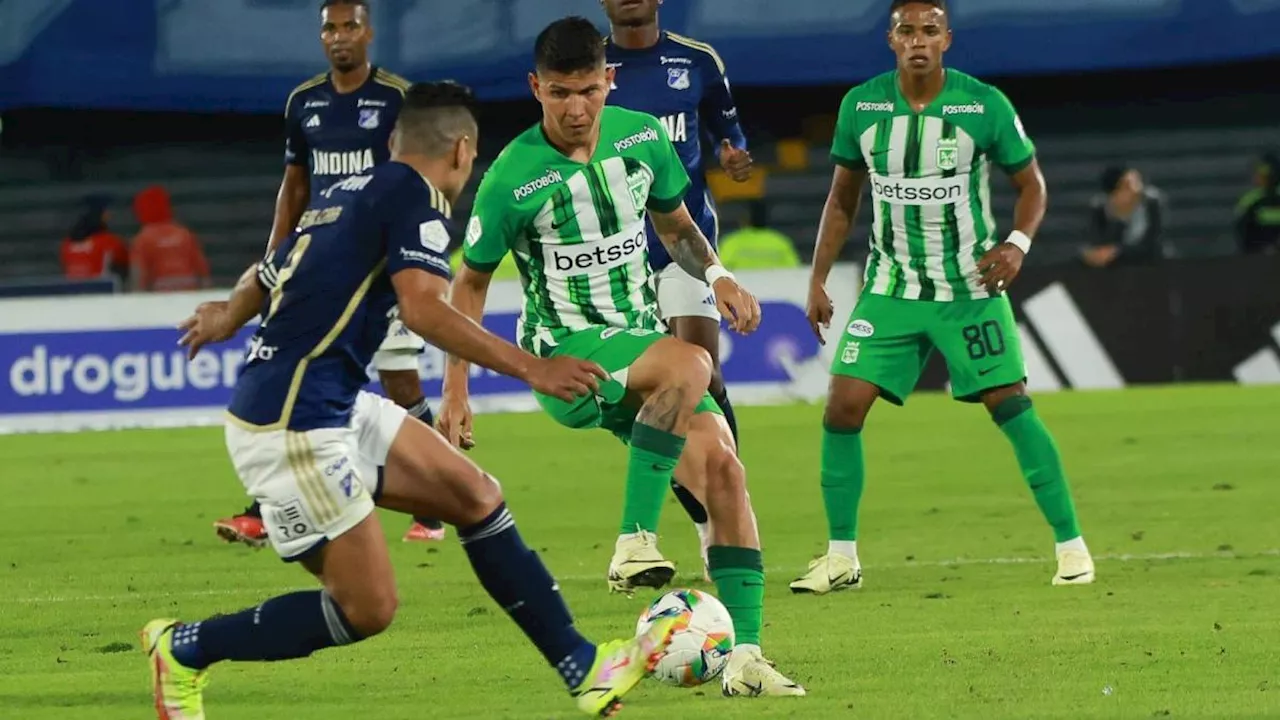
(715, 272)
(1019, 239)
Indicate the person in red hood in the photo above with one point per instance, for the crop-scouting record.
(90, 250)
(166, 255)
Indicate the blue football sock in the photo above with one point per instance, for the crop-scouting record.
(282, 628)
(516, 579)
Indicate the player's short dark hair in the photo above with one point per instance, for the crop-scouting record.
(898, 4)
(1112, 175)
(434, 115)
(330, 3)
(569, 45)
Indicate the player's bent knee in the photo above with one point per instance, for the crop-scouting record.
(371, 609)
(694, 366)
(480, 495)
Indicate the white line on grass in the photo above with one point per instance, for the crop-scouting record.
(219, 592)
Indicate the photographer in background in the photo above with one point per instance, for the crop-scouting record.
(1127, 220)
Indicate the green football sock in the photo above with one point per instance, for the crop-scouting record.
(654, 454)
(1040, 462)
(738, 573)
(843, 473)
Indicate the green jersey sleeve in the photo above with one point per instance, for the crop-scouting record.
(670, 180)
(1010, 147)
(846, 151)
(491, 232)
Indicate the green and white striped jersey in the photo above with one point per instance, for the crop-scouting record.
(577, 231)
(930, 175)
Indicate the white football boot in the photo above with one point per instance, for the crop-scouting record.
(829, 573)
(637, 563)
(748, 674)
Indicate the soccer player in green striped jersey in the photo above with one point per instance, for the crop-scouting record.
(924, 138)
(569, 198)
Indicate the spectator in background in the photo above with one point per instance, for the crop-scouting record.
(1258, 212)
(1127, 222)
(755, 245)
(166, 255)
(91, 251)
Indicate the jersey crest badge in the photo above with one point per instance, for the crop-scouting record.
(369, 118)
(678, 78)
(639, 183)
(948, 153)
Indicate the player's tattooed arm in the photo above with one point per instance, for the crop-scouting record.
(689, 248)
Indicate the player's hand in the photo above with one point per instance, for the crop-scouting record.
(566, 378)
(999, 266)
(736, 305)
(454, 421)
(819, 310)
(736, 162)
(209, 324)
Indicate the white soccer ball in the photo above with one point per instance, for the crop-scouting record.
(702, 641)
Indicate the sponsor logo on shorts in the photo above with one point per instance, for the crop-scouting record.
(973, 108)
(850, 354)
(290, 520)
(884, 106)
(861, 329)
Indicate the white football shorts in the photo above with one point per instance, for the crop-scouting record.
(682, 295)
(316, 485)
(399, 350)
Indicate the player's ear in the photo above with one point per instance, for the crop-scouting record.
(609, 74)
(946, 44)
(533, 85)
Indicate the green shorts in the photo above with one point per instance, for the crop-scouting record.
(613, 349)
(887, 341)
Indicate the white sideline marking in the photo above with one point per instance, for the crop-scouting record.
(1122, 557)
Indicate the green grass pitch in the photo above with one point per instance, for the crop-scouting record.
(1178, 491)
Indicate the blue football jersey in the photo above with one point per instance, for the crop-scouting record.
(682, 82)
(337, 135)
(331, 297)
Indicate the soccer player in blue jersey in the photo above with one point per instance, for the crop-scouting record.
(338, 124)
(309, 444)
(681, 82)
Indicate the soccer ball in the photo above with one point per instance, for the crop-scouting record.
(702, 641)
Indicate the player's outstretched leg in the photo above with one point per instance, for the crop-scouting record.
(714, 473)
(397, 365)
(670, 377)
(245, 527)
(1041, 466)
(843, 474)
(425, 475)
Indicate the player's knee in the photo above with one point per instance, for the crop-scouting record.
(726, 477)
(848, 404)
(694, 368)
(481, 495)
(846, 415)
(371, 610)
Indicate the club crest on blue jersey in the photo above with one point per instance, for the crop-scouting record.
(678, 78)
(369, 118)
